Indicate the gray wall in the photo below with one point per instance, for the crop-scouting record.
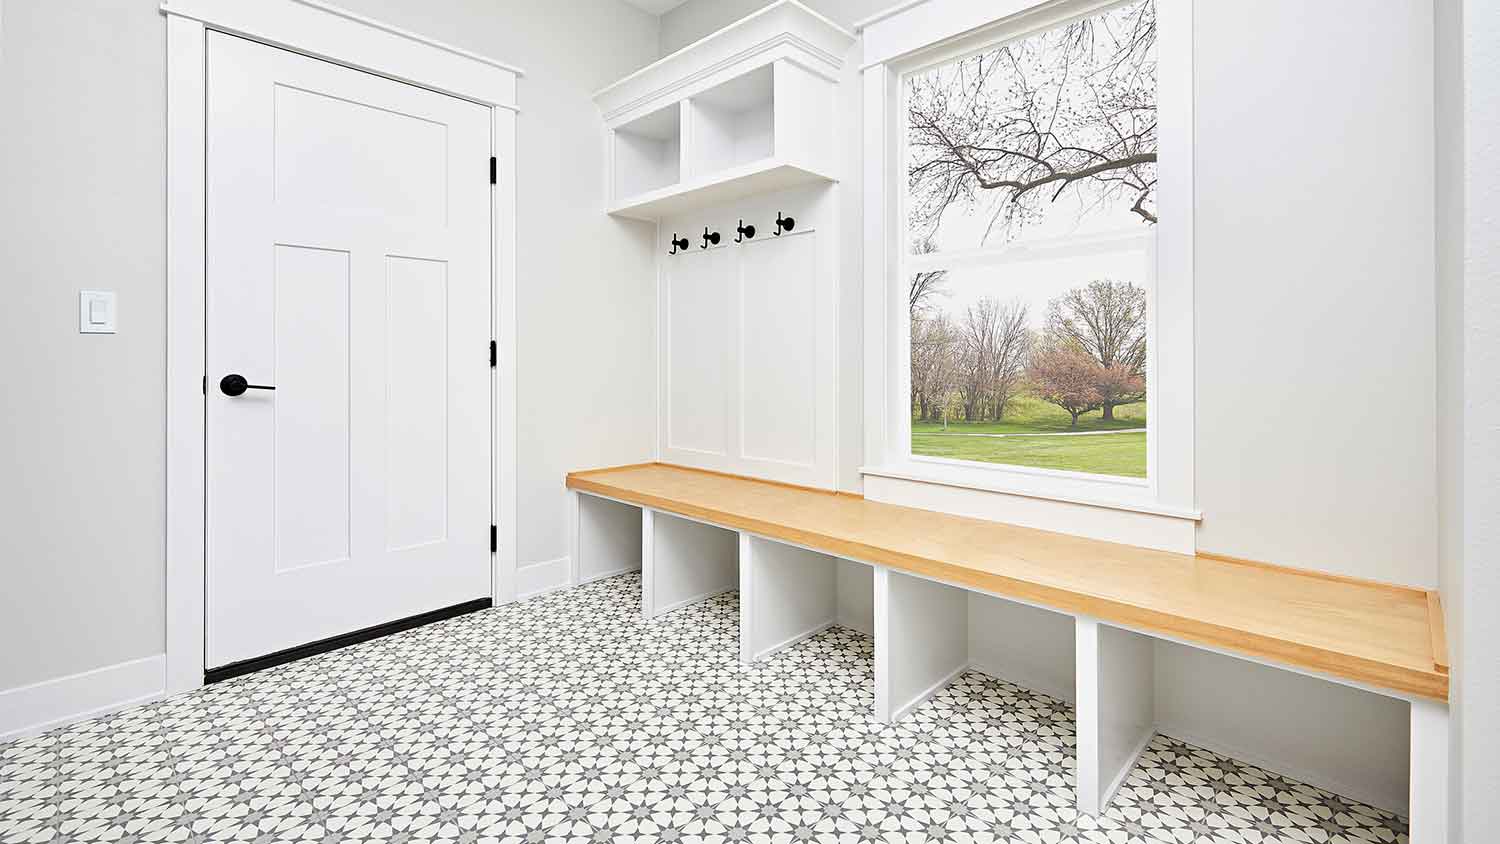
(82, 481)
(82, 148)
(1331, 464)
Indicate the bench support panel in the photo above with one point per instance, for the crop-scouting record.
(606, 537)
(684, 562)
(1116, 708)
(786, 595)
(1429, 773)
(921, 640)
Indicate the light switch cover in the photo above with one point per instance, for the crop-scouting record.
(96, 312)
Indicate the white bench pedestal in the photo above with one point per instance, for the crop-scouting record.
(1116, 708)
(683, 562)
(786, 595)
(921, 640)
(1429, 773)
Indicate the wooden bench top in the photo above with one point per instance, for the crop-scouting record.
(1380, 635)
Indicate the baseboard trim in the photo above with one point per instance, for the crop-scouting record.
(792, 640)
(343, 640)
(542, 577)
(1124, 772)
(605, 575)
(36, 708)
(1391, 803)
(1028, 683)
(686, 602)
(925, 695)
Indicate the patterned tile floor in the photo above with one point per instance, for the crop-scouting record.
(566, 718)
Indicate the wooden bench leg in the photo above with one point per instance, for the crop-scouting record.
(1116, 708)
(1429, 773)
(786, 595)
(921, 640)
(683, 562)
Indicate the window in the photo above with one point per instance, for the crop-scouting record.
(1029, 220)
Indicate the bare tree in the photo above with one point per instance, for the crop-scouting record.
(1107, 320)
(924, 285)
(1069, 110)
(932, 342)
(995, 341)
(1066, 376)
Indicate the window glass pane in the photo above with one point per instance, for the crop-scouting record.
(1041, 154)
(1045, 137)
(1038, 363)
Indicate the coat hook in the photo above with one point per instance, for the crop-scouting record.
(745, 231)
(678, 244)
(784, 223)
(709, 237)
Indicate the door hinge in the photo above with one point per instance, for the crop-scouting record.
(494, 170)
(494, 354)
(204, 385)
(494, 539)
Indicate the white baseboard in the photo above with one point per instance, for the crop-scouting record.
(1032, 683)
(904, 709)
(611, 573)
(792, 640)
(685, 602)
(534, 579)
(1124, 772)
(1396, 803)
(39, 707)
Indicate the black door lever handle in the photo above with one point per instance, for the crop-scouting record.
(235, 384)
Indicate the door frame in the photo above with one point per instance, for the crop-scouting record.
(325, 32)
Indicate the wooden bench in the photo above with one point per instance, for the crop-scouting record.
(1376, 636)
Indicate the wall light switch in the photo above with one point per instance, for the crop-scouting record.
(96, 312)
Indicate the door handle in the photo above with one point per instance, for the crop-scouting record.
(235, 384)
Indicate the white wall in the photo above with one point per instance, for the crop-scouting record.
(81, 163)
(1321, 465)
(1448, 49)
(1478, 673)
(82, 482)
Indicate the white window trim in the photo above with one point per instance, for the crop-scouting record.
(931, 32)
(323, 31)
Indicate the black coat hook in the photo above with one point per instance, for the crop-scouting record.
(709, 237)
(745, 231)
(678, 244)
(784, 223)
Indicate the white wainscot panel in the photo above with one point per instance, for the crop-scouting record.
(695, 352)
(778, 335)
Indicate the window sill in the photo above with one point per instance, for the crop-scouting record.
(973, 479)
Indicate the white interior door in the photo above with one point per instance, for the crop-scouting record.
(348, 268)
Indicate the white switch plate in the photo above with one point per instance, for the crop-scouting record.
(96, 312)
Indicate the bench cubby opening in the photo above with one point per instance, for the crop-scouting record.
(684, 562)
(608, 538)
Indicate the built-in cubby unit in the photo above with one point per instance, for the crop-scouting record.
(647, 152)
(746, 110)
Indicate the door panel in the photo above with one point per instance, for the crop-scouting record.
(348, 267)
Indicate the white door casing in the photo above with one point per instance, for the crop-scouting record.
(348, 265)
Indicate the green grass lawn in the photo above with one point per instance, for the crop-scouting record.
(1110, 454)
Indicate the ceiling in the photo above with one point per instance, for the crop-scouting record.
(656, 7)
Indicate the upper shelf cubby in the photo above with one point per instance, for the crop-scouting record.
(747, 109)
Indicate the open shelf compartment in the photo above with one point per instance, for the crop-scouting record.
(648, 152)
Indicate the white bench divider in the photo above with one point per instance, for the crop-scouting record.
(1116, 709)
(786, 595)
